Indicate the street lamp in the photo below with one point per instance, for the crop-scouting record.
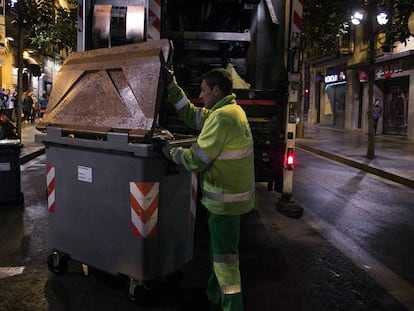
(357, 18)
(382, 18)
(372, 27)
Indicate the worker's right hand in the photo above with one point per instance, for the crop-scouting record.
(169, 76)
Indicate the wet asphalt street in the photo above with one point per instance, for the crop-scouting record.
(285, 263)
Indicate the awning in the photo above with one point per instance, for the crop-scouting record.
(32, 64)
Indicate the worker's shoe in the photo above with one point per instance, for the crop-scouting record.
(213, 307)
(200, 302)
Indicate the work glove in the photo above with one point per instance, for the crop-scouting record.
(169, 76)
(173, 153)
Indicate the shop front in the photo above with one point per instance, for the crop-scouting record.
(393, 76)
(395, 104)
(335, 91)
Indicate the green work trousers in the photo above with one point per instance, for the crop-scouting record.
(225, 284)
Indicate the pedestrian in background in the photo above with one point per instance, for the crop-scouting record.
(27, 107)
(35, 107)
(13, 98)
(9, 105)
(376, 114)
(43, 101)
(223, 157)
(3, 101)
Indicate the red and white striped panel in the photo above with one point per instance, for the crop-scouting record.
(193, 192)
(50, 182)
(297, 8)
(154, 19)
(144, 198)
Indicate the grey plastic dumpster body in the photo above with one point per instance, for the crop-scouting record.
(10, 194)
(115, 203)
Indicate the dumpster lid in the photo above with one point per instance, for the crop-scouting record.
(116, 89)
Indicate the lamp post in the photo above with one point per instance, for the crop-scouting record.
(371, 78)
(18, 106)
(381, 19)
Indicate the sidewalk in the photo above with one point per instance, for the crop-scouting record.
(30, 149)
(394, 155)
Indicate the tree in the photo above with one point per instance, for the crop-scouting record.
(42, 24)
(324, 21)
(400, 13)
(48, 27)
(45, 26)
(65, 27)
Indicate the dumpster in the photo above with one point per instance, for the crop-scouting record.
(10, 148)
(115, 203)
(10, 194)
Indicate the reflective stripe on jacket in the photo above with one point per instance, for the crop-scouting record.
(223, 153)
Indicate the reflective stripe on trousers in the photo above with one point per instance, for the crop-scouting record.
(222, 265)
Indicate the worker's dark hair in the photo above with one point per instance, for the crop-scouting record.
(220, 77)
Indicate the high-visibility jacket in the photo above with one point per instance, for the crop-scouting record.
(223, 153)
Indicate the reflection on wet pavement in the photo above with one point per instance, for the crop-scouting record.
(6, 272)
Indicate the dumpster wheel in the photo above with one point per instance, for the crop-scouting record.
(175, 277)
(143, 293)
(57, 263)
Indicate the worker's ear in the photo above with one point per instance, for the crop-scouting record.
(217, 91)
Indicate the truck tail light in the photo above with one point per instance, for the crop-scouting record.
(290, 159)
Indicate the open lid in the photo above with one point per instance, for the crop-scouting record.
(115, 89)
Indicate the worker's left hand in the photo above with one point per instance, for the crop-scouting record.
(169, 76)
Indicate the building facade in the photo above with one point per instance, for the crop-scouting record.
(338, 88)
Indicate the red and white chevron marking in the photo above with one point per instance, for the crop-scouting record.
(297, 8)
(193, 192)
(50, 182)
(154, 19)
(144, 198)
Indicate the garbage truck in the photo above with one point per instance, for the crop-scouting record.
(250, 38)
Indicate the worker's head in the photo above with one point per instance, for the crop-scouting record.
(215, 84)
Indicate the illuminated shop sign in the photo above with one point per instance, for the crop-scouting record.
(331, 78)
(386, 71)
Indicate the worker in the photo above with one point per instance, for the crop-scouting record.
(224, 158)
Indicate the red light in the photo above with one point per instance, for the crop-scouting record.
(290, 159)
